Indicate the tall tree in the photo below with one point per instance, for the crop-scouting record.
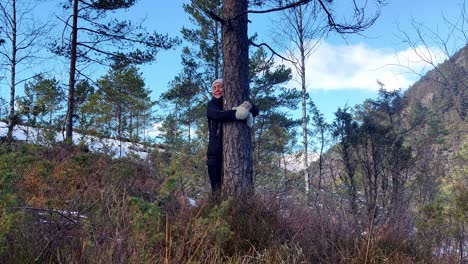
(300, 30)
(273, 131)
(344, 130)
(206, 49)
(319, 132)
(237, 145)
(237, 155)
(375, 161)
(382, 157)
(23, 34)
(187, 94)
(96, 41)
(202, 62)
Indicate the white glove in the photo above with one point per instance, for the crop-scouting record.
(250, 120)
(243, 110)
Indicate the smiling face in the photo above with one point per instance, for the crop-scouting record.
(217, 90)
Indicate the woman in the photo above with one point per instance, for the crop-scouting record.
(216, 117)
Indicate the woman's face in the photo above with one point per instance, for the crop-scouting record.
(217, 90)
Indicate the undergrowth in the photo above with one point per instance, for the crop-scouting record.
(65, 205)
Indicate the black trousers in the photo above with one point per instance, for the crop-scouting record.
(215, 172)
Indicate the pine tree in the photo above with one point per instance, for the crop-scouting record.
(101, 42)
(273, 132)
(121, 107)
(84, 90)
(237, 149)
(45, 97)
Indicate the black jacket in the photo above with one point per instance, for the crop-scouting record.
(216, 117)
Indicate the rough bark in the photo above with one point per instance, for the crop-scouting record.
(237, 156)
(71, 82)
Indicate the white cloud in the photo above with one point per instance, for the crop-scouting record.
(358, 66)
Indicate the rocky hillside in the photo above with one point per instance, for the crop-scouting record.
(441, 97)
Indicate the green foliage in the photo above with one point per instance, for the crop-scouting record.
(438, 99)
(273, 131)
(185, 174)
(83, 93)
(186, 100)
(42, 102)
(443, 222)
(215, 220)
(12, 166)
(375, 159)
(102, 39)
(205, 37)
(121, 107)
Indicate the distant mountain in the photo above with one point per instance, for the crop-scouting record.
(441, 97)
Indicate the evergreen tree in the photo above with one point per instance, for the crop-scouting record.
(84, 90)
(319, 135)
(42, 106)
(273, 132)
(44, 98)
(344, 131)
(184, 129)
(205, 39)
(122, 105)
(96, 41)
(375, 160)
(186, 96)
(237, 159)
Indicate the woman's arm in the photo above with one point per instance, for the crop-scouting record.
(254, 110)
(213, 111)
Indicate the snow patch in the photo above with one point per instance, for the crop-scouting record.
(113, 147)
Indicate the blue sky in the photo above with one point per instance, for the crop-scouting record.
(341, 71)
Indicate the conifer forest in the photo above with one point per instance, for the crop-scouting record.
(98, 165)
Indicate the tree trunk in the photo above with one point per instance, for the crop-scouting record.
(320, 162)
(119, 128)
(304, 124)
(11, 116)
(302, 71)
(237, 156)
(216, 45)
(71, 83)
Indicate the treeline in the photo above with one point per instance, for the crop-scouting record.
(117, 105)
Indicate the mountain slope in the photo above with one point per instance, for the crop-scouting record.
(441, 96)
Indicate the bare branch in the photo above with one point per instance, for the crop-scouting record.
(292, 5)
(271, 49)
